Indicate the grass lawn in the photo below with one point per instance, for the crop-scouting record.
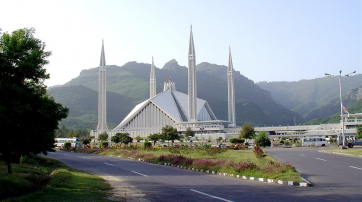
(221, 160)
(43, 179)
(356, 151)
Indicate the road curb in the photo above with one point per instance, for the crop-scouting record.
(323, 151)
(269, 181)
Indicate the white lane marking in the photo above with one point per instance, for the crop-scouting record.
(355, 167)
(108, 164)
(139, 173)
(321, 159)
(65, 154)
(85, 158)
(302, 154)
(222, 199)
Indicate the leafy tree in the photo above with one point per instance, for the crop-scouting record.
(72, 134)
(247, 132)
(262, 139)
(122, 138)
(103, 136)
(116, 138)
(62, 132)
(82, 132)
(359, 132)
(85, 140)
(170, 133)
(189, 132)
(219, 139)
(32, 115)
(154, 137)
(138, 138)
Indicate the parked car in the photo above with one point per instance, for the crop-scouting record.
(351, 144)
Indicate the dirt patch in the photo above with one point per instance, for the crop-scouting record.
(122, 191)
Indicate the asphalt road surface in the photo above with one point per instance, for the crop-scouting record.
(142, 181)
(340, 173)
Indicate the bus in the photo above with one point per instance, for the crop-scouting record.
(59, 142)
(314, 141)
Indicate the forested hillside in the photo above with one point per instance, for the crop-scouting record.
(356, 107)
(129, 85)
(308, 96)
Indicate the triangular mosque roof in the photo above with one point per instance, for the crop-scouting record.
(173, 103)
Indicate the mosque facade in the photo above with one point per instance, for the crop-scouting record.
(171, 107)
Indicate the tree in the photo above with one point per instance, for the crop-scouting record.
(122, 138)
(247, 132)
(85, 140)
(25, 107)
(62, 132)
(359, 132)
(138, 138)
(154, 137)
(170, 133)
(262, 139)
(189, 132)
(103, 136)
(72, 134)
(219, 139)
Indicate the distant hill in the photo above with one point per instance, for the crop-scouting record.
(331, 107)
(306, 96)
(83, 105)
(336, 117)
(129, 85)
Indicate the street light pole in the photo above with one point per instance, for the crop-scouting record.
(340, 98)
(201, 129)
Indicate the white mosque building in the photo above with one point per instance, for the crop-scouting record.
(171, 107)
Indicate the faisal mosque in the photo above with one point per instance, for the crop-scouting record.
(171, 107)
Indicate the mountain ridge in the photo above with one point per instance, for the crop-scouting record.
(132, 82)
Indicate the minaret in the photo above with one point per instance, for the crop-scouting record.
(102, 118)
(231, 92)
(152, 81)
(192, 81)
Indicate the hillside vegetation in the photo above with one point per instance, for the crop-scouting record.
(129, 85)
(356, 107)
(306, 97)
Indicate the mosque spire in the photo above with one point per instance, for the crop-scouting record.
(152, 81)
(231, 92)
(102, 109)
(192, 94)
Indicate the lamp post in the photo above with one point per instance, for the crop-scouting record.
(201, 129)
(340, 97)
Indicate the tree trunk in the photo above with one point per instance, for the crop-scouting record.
(9, 166)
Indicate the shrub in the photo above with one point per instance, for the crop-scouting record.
(244, 165)
(235, 140)
(147, 144)
(262, 139)
(67, 145)
(277, 167)
(104, 144)
(178, 159)
(258, 152)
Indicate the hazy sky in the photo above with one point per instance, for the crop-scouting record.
(270, 40)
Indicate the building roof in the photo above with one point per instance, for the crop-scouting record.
(174, 104)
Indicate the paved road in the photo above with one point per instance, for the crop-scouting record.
(143, 181)
(340, 173)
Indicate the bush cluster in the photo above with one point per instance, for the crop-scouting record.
(258, 152)
(277, 167)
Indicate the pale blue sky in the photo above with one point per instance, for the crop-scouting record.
(270, 40)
